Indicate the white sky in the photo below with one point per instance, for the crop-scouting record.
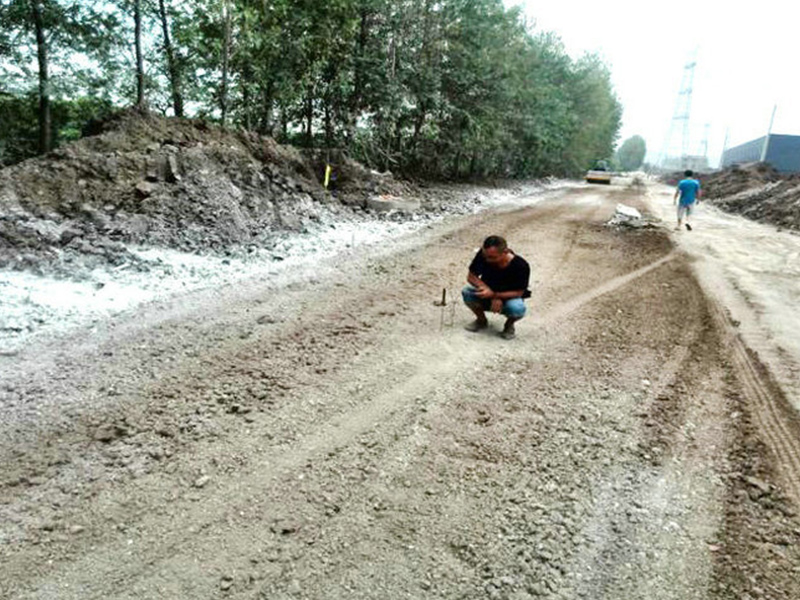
(747, 55)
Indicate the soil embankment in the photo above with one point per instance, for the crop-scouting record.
(171, 183)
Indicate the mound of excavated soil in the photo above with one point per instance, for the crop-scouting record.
(756, 191)
(169, 183)
(736, 179)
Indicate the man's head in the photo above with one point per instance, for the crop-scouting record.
(494, 249)
(688, 173)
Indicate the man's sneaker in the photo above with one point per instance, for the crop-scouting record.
(476, 325)
(508, 332)
(689, 227)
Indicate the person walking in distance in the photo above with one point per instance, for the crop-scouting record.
(687, 195)
(497, 281)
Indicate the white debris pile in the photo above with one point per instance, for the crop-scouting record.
(627, 216)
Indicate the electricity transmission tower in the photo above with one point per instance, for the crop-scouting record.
(704, 143)
(674, 151)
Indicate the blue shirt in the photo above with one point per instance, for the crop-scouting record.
(688, 189)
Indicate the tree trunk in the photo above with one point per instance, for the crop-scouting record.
(419, 121)
(284, 125)
(268, 94)
(246, 112)
(328, 125)
(310, 116)
(392, 58)
(329, 102)
(248, 85)
(457, 165)
(137, 17)
(44, 84)
(397, 145)
(172, 65)
(249, 115)
(427, 63)
(226, 51)
(473, 164)
(358, 76)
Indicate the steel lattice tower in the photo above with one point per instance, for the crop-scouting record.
(674, 148)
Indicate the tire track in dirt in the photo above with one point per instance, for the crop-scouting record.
(565, 308)
(639, 543)
(778, 421)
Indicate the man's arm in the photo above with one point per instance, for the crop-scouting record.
(484, 291)
(508, 295)
(473, 279)
(499, 297)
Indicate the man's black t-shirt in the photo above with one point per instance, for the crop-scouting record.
(515, 276)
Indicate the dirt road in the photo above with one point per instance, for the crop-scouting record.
(346, 438)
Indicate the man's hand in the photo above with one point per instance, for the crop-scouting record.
(484, 291)
(497, 305)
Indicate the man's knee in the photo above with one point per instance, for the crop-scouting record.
(514, 308)
(469, 294)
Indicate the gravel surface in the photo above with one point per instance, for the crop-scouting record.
(338, 435)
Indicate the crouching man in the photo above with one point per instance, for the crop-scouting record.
(497, 282)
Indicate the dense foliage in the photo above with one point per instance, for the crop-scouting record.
(630, 155)
(438, 88)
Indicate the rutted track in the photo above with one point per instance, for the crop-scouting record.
(778, 422)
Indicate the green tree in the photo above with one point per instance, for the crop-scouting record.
(631, 153)
(173, 64)
(597, 114)
(54, 31)
(434, 88)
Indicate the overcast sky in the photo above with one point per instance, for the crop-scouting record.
(747, 59)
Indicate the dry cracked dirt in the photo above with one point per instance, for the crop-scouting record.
(347, 438)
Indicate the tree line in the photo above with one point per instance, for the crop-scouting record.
(435, 88)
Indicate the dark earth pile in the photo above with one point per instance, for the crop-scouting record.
(736, 179)
(756, 191)
(180, 184)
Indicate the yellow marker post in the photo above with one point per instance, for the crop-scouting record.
(328, 170)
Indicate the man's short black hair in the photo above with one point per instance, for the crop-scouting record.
(688, 172)
(495, 241)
